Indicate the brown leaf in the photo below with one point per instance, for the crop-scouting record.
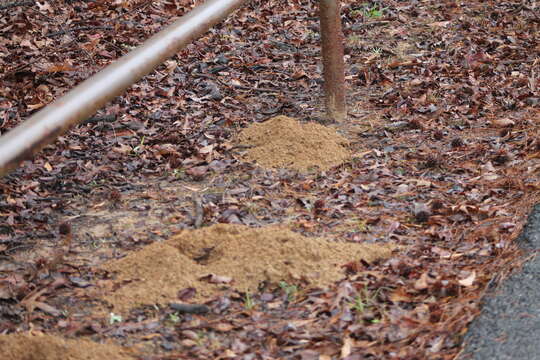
(60, 68)
(197, 171)
(421, 283)
(217, 279)
(400, 295)
(469, 280)
(223, 327)
(47, 308)
(504, 122)
(346, 349)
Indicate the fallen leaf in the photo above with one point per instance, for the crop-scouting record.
(421, 283)
(469, 280)
(504, 122)
(346, 349)
(217, 279)
(222, 327)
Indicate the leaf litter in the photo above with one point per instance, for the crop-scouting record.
(443, 141)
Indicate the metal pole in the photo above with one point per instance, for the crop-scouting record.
(334, 67)
(44, 127)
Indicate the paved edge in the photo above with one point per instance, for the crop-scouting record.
(509, 324)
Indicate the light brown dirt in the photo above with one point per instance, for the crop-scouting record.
(283, 142)
(248, 256)
(48, 347)
(156, 273)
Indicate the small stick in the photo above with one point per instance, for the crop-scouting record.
(199, 211)
(14, 4)
(80, 28)
(190, 308)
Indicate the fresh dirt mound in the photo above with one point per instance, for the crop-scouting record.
(252, 255)
(156, 273)
(284, 142)
(245, 256)
(47, 347)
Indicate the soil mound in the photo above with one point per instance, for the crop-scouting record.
(284, 142)
(230, 255)
(47, 347)
(155, 274)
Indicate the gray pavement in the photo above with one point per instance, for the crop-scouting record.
(509, 325)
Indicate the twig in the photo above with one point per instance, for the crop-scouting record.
(97, 119)
(80, 28)
(190, 308)
(20, 3)
(355, 27)
(199, 211)
(241, 87)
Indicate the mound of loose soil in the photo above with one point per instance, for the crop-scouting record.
(246, 256)
(284, 142)
(47, 347)
(156, 273)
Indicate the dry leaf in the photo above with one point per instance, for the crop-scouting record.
(421, 283)
(222, 327)
(346, 349)
(217, 279)
(469, 280)
(504, 122)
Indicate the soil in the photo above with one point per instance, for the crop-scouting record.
(284, 142)
(48, 347)
(224, 255)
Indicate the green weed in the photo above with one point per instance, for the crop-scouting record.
(363, 226)
(366, 301)
(376, 51)
(290, 290)
(139, 148)
(358, 305)
(373, 11)
(114, 318)
(174, 318)
(368, 11)
(248, 301)
(179, 173)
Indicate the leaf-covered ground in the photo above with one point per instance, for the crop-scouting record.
(443, 109)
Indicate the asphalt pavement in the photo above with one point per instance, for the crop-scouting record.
(509, 325)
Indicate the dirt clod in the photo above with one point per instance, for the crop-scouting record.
(284, 142)
(246, 255)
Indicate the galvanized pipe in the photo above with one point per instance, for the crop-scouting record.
(84, 100)
(334, 66)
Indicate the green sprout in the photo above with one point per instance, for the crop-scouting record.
(363, 227)
(376, 51)
(290, 290)
(358, 305)
(373, 11)
(114, 318)
(179, 173)
(248, 301)
(174, 318)
(365, 301)
(137, 149)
